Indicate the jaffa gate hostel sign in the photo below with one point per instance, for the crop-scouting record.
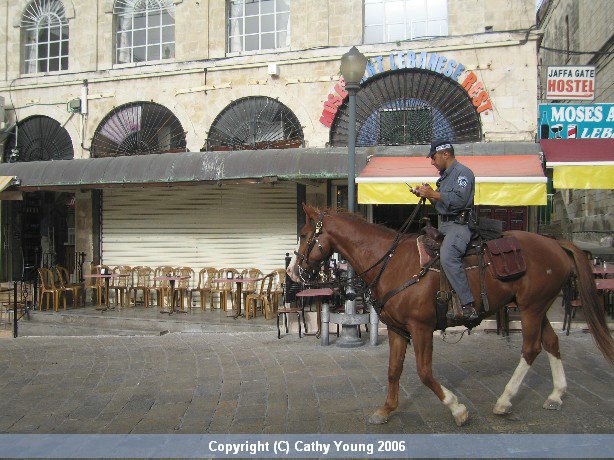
(569, 82)
(411, 60)
(576, 121)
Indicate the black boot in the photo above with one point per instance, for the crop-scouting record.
(469, 312)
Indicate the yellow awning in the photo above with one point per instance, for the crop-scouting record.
(581, 176)
(6, 181)
(580, 163)
(508, 180)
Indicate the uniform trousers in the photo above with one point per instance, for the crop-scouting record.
(454, 246)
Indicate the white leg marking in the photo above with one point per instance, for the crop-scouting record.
(504, 403)
(559, 382)
(459, 411)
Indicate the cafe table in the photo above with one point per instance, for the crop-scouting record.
(106, 277)
(239, 283)
(317, 293)
(605, 286)
(172, 280)
(602, 272)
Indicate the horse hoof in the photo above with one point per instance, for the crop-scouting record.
(502, 409)
(551, 404)
(461, 417)
(377, 419)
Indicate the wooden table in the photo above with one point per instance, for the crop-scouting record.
(321, 292)
(171, 279)
(106, 277)
(239, 282)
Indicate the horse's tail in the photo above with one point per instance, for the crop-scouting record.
(595, 315)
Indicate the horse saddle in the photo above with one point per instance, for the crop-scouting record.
(504, 254)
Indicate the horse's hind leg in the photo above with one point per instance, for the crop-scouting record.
(532, 323)
(398, 347)
(550, 342)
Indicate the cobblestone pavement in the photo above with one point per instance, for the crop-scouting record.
(254, 383)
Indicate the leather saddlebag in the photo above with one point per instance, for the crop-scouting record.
(506, 261)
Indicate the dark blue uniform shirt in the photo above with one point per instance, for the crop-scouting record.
(457, 188)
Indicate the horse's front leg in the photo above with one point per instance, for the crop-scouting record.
(398, 347)
(423, 347)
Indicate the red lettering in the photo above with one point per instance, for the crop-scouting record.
(477, 101)
(327, 118)
(551, 85)
(469, 81)
(476, 89)
(569, 85)
(560, 86)
(487, 106)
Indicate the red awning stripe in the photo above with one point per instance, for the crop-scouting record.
(577, 150)
(490, 168)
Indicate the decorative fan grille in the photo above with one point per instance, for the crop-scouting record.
(254, 123)
(138, 128)
(39, 138)
(409, 106)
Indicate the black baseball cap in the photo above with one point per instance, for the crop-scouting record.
(438, 145)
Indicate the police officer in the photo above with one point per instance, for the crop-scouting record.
(453, 201)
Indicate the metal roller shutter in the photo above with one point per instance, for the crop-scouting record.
(204, 225)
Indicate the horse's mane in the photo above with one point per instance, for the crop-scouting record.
(358, 218)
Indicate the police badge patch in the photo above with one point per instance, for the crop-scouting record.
(462, 181)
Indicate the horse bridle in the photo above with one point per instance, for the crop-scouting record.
(313, 240)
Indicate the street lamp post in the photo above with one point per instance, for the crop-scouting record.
(353, 65)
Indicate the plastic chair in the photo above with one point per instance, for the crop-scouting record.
(262, 297)
(226, 290)
(182, 286)
(205, 286)
(67, 286)
(121, 284)
(48, 288)
(162, 287)
(143, 282)
(98, 285)
(277, 291)
(251, 287)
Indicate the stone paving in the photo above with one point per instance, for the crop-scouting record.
(251, 382)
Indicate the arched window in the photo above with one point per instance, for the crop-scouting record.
(45, 37)
(138, 128)
(38, 138)
(145, 30)
(254, 123)
(409, 106)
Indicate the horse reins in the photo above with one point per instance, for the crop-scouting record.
(383, 261)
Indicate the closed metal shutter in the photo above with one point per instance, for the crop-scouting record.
(238, 226)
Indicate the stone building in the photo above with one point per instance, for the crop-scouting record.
(182, 132)
(581, 33)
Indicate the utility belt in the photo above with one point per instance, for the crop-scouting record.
(461, 218)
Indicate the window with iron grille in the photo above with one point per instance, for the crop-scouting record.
(45, 37)
(405, 126)
(145, 30)
(38, 138)
(258, 25)
(394, 20)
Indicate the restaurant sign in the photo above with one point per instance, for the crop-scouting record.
(571, 82)
(435, 62)
(576, 121)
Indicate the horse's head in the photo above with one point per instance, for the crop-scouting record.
(313, 246)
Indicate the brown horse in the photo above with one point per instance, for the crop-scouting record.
(550, 263)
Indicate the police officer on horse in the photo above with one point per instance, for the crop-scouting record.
(453, 201)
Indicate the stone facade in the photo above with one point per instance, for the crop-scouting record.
(581, 25)
(491, 38)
